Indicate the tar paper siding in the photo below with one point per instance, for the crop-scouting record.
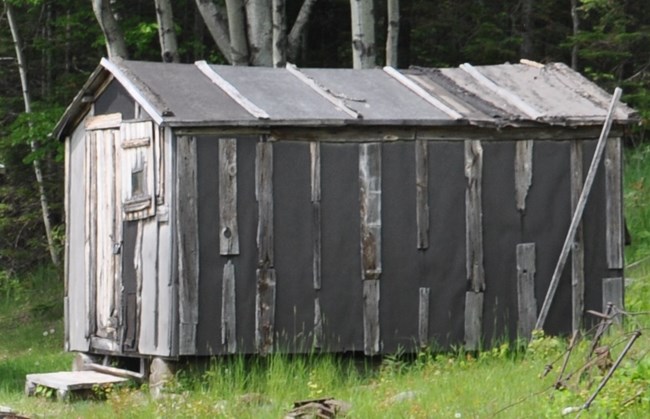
(406, 269)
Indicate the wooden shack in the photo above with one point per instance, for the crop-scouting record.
(217, 210)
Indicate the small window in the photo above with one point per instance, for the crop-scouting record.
(137, 170)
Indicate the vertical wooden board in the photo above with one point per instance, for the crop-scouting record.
(148, 290)
(473, 320)
(526, 303)
(66, 248)
(613, 292)
(229, 230)
(474, 215)
(265, 311)
(523, 172)
(315, 170)
(77, 275)
(188, 243)
(614, 203)
(90, 231)
(164, 303)
(370, 207)
(422, 193)
(371, 317)
(160, 166)
(578, 249)
(318, 324)
(228, 309)
(423, 317)
(264, 196)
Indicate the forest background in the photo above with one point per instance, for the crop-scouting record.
(62, 42)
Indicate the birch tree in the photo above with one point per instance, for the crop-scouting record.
(392, 37)
(115, 43)
(575, 20)
(22, 69)
(244, 30)
(363, 34)
(166, 33)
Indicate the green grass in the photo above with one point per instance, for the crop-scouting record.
(503, 382)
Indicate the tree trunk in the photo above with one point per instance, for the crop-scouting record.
(237, 31)
(576, 27)
(298, 29)
(363, 33)
(166, 33)
(22, 69)
(217, 24)
(392, 37)
(279, 33)
(115, 44)
(260, 32)
(526, 49)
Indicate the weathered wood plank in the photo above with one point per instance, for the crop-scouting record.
(473, 320)
(423, 317)
(109, 120)
(265, 311)
(523, 172)
(91, 231)
(370, 203)
(613, 292)
(422, 193)
(578, 249)
(526, 303)
(314, 150)
(318, 324)
(577, 215)
(474, 215)
(614, 203)
(371, 317)
(229, 230)
(228, 312)
(148, 290)
(188, 243)
(264, 196)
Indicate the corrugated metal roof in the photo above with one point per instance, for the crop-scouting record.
(497, 95)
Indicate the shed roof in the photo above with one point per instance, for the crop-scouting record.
(213, 95)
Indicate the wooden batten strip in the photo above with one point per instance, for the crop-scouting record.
(228, 313)
(415, 88)
(526, 303)
(578, 249)
(423, 317)
(371, 317)
(264, 196)
(266, 276)
(577, 214)
(614, 204)
(90, 167)
(188, 243)
(131, 88)
(228, 226)
(231, 91)
(265, 311)
(503, 93)
(370, 200)
(318, 325)
(324, 92)
(473, 320)
(613, 292)
(314, 149)
(66, 249)
(474, 215)
(422, 193)
(523, 172)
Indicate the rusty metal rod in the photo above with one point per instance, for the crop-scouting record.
(634, 337)
(572, 344)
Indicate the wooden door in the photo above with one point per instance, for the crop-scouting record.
(104, 237)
